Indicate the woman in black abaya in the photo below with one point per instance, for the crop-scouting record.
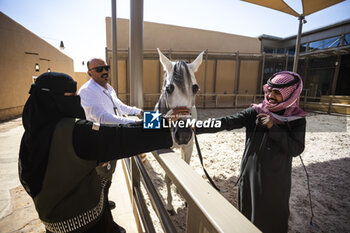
(60, 150)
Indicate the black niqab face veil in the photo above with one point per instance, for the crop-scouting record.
(45, 107)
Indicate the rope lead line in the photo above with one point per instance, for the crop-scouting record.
(205, 171)
(308, 189)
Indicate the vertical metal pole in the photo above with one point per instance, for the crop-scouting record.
(330, 105)
(336, 75)
(297, 45)
(305, 98)
(262, 74)
(107, 58)
(258, 77)
(306, 66)
(159, 77)
(170, 53)
(337, 68)
(286, 66)
(127, 80)
(238, 66)
(215, 71)
(205, 77)
(136, 53)
(114, 46)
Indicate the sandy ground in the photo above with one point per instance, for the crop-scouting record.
(326, 157)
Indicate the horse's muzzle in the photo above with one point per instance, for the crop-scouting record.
(182, 134)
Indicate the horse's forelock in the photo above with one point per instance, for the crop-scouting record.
(178, 74)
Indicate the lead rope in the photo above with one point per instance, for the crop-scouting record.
(205, 171)
(308, 184)
(308, 189)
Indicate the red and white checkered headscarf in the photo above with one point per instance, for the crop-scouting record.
(290, 94)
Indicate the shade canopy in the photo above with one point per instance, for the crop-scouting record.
(312, 6)
(309, 6)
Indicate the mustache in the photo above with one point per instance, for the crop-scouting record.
(272, 99)
(104, 76)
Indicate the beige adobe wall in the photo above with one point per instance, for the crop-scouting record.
(193, 40)
(165, 36)
(122, 78)
(20, 50)
(247, 82)
(80, 78)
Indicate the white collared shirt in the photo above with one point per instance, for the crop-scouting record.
(99, 104)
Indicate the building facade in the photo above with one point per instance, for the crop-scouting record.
(23, 57)
(324, 60)
(238, 65)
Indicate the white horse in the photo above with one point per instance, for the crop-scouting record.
(178, 95)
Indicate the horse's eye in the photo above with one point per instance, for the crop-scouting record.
(170, 88)
(195, 88)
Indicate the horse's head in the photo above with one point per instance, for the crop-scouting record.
(179, 93)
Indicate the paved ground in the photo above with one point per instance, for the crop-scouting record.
(17, 211)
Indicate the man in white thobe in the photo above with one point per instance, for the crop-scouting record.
(101, 105)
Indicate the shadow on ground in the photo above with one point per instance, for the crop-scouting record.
(330, 188)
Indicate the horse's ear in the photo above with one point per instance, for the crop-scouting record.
(196, 63)
(167, 65)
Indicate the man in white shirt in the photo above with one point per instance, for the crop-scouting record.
(101, 105)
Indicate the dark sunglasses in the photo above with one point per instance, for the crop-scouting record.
(99, 69)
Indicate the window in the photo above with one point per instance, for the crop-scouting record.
(347, 39)
(303, 47)
(280, 51)
(279, 66)
(268, 50)
(291, 50)
(326, 43)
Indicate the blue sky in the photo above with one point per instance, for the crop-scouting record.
(81, 23)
